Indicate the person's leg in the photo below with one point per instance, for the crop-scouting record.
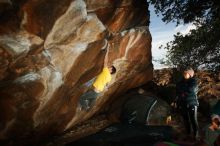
(92, 98)
(186, 120)
(193, 118)
(87, 99)
(83, 100)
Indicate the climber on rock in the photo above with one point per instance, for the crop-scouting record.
(187, 102)
(96, 86)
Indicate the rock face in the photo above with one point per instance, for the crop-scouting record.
(49, 48)
(145, 109)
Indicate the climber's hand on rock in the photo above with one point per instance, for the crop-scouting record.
(174, 105)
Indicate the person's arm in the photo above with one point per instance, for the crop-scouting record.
(181, 89)
(106, 60)
(90, 82)
(107, 84)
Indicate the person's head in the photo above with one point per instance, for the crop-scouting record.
(112, 69)
(141, 91)
(216, 121)
(188, 73)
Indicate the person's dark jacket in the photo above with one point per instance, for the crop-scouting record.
(186, 91)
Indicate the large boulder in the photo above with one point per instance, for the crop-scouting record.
(144, 109)
(48, 49)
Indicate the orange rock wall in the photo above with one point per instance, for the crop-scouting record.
(50, 48)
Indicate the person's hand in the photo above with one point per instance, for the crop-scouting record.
(168, 120)
(173, 104)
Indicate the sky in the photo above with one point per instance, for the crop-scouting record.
(161, 34)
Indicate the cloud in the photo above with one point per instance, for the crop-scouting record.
(178, 28)
(158, 39)
(163, 33)
(157, 65)
(184, 29)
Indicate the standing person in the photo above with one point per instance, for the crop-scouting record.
(101, 81)
(187, 103)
